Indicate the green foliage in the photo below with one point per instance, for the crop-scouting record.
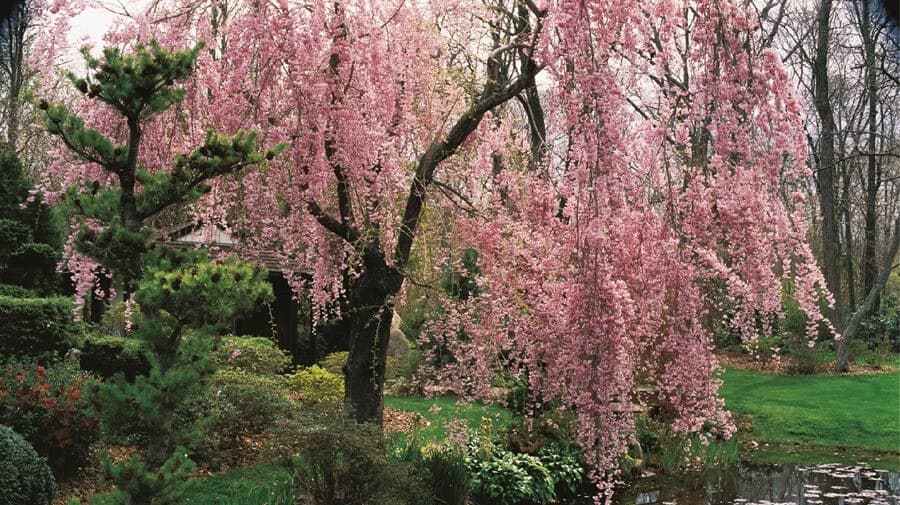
(317, 385)
(36, 327)
(14, 291)
(670, 452)
(507, 478)
(47, 406)
(565, 465)
(138, 85)
(114, 320)
(448, 475)
(336, 461)
(257, 355)
(459, 282)
(500, 476)
(801, 359)
(24, 477)
(107, 355)
(334, 362)
(31, 233)
(157, 484)
(181, 309)
(236, 404)
(882, 331)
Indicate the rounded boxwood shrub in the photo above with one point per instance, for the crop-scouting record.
(24, 477)
(317, 385)
(257, 355)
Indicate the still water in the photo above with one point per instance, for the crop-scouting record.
(787, 484)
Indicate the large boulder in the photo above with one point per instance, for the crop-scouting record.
(399, 344)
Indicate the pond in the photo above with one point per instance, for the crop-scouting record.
(787, 484)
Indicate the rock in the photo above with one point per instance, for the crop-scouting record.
(399, 344)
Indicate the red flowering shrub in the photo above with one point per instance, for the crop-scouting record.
(47, 407)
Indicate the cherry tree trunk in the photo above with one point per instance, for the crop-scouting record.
(370, 312)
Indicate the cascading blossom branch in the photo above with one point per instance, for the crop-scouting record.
(680, 139)
(674, 143)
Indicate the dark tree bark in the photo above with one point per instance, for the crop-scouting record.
(825, 169)
(848, 236)
(371, 296)
(13, 30)
(872, 175)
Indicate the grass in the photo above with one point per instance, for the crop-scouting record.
(440, 411)
(260, 484)
(863, 358)
(800, 419)
(854, 412)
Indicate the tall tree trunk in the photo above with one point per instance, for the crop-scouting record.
(868, 305)
(371, 313)
(825, 174)
(848, 237)
(872, 182)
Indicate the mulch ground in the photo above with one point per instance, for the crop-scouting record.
(88, 482)
(742, 361)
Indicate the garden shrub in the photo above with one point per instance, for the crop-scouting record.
(40, 328)
(107, 355)
(25, 479)
(48, 407)
(507, 478)
(448, 476)
(882, 330)
(336, 461)
(334, 363)
(316, 385)
(500, 476)
(802, 359)
(565, 465)
(257, 355)
(114, 320)
(17, 291)
(237, 404)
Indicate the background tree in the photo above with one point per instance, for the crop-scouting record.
(853, 54)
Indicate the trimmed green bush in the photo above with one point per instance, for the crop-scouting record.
(334, 362)
(257, 355)
(17, 291)
(236, 404)
(317, 385)
(107, 355)
(37, 327)
(24, 477)
(336, 461)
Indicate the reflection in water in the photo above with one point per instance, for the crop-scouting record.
(788, 484)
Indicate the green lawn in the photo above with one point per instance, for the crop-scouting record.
(802, 419)
(856, 411)
(260, 484)
(447, 410)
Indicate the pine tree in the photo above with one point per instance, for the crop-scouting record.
(183, 298)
